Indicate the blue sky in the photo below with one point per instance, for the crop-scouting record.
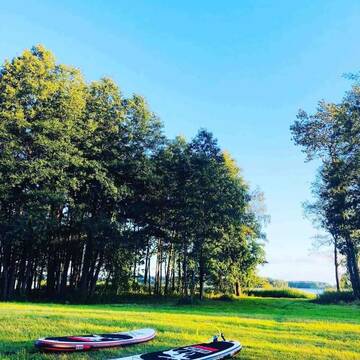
(241, 69)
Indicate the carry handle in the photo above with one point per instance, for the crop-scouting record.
(216, 337)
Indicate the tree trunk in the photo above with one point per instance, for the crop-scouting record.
(336, 264)
(201, 275)
(96, 274)
(134, 269)
(184, 270)
(160, 271)
(353, 268)
(237, 288)
(173, 274)
(168, 271)
(84, 281)
(5, 274)
(201, 280)
(146, 265)
(156, 284)
(64, 275)
(50, 277)
(149, 276)
(179, 275)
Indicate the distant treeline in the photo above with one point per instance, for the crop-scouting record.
(332, 135)
(308, 284)
(94, 198)
(298, 284)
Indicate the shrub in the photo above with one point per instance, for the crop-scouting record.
(280, 293)
(188, 300)
(335, 297)
(225, 297)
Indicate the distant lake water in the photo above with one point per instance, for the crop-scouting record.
(311, 291)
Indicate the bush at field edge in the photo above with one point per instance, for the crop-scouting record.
(336, 297)
(280, 293)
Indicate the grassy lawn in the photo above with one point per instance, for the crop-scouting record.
(268, 328)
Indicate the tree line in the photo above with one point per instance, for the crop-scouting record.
(95, 199)
(332, 135)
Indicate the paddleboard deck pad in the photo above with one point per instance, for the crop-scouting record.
(206, 351)
(88, 342)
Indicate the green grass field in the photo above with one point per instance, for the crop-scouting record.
(268, 328)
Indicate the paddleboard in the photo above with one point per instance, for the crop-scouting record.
(88, 342)
(207, 351)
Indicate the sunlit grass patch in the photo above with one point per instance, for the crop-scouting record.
(268, 328)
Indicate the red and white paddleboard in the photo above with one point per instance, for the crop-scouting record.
(207, 351)
(88, 342)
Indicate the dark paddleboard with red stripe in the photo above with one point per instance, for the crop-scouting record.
(88, 342)
(207, 351)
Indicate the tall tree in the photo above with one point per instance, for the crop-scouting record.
(333, 135)
(40, 106)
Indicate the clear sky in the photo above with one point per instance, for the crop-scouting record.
(241, 69)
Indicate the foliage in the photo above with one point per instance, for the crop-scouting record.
(335, 297)
(278, 283)
(225, 297)
(345, 281)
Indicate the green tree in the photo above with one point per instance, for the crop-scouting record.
(40, 106)
(333, 135)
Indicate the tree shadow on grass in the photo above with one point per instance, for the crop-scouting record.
(25, 350)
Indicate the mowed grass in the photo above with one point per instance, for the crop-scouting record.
(267, 328)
